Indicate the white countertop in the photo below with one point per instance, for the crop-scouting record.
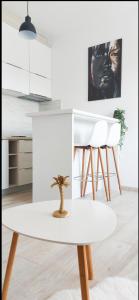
(15, 138)
(77, 113)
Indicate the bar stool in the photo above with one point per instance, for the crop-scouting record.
(112, 141)
(97, 138)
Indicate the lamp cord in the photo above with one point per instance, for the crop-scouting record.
(27, 8)
(28, 47)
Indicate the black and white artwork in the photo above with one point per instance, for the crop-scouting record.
(104, 70)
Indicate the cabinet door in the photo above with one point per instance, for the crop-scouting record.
(24, 160)
(40, 59)
(24, 146)
(40, 85)
(15, 79)
(24, 176)
(15, 49)
(5, 165)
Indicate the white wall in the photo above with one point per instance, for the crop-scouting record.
(70, 74)
(14, 119)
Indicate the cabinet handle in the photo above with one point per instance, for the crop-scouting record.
(39, 75)
(14, 66)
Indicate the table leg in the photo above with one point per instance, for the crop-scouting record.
(9, 265)
(83, 270)
(89, 262)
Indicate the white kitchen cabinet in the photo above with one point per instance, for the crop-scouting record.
(40, 85)
(15, 50)
(15, 79)
(5, 165)
(40, 59)
(26, 65)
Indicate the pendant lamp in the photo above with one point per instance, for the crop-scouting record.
(27, 29)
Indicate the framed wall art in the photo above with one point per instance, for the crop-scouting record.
(104, 70)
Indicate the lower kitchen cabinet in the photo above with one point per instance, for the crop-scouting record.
(24, 176)
(24, 160)
(5, 165)
(17, 162)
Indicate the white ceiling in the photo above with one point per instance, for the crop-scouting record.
(54, 19)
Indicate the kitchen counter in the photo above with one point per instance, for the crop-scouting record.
(78, 113)
(54, 133)
(16, 138)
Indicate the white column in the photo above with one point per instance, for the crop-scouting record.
(52, 154)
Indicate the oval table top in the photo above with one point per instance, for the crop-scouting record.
(89, 221)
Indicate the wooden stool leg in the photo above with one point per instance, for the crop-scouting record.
(117, 172)
(87, 172)
(108, 173)
(102, 168)
(82, 178)
(97, 171)
(83, 272)
(9, 266)
(92, 172)
(89, 262)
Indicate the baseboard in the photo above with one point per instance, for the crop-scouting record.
(15, 189)
(127, 188)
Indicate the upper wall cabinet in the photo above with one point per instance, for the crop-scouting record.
(15, 50)
(15, 79)
(40, 59)
(26, 64)
(40, 85)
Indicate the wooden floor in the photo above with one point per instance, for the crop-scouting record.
(42, 268)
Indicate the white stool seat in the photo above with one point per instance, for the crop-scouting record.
(114, 135)
(94, 139)
(98, 136)
(95, 134)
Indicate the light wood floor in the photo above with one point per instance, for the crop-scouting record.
(43, 268)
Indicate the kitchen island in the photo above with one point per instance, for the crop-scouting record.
(54, 134)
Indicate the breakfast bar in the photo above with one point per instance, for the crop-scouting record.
(54, 134)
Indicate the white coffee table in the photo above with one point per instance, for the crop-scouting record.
(89, 222)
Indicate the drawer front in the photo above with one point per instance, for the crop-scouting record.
(24, 146)
(24, 160)
(24, 176)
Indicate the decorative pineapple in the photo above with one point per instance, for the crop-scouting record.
(61, 181)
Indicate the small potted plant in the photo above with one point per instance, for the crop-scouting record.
(120, 115)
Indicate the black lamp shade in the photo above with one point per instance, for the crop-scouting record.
(27, 29)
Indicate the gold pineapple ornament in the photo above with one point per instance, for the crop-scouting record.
(62, 182)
